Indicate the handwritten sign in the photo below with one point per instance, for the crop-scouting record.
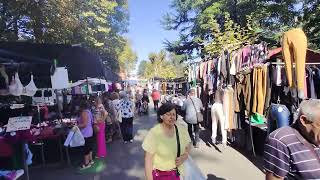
(19, 123)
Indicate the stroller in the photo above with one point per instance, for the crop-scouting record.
(144, 107)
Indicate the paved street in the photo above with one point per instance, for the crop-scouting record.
(125, 161)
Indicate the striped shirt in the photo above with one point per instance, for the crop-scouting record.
(286, 156)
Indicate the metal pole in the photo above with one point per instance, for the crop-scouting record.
(58, 102)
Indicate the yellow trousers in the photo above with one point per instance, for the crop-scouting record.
(260, 75)
(294, 45)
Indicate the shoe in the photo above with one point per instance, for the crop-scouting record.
(92, 162)
(85, 166)
(131, 141)
(126, 142)
(214, 141)
(224, 145)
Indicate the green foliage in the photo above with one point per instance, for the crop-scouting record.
(142, 68)
(127, 58)
(162, 65)
(230, 35)
(95, 24)
(198, 20)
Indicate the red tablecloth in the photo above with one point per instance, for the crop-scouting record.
(7, 141)
(6, 149)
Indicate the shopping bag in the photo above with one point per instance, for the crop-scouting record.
(192, 171)
(74, 138)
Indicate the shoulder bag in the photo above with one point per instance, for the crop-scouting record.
(173, 174)
(198, 114)
(178, 146)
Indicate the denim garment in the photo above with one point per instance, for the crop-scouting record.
(279, 116)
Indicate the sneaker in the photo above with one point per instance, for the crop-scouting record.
(131, 141)
(126, 142)
(214, 141)
(224, 145)
(83, 166)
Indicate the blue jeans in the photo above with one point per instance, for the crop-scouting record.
(279, 116)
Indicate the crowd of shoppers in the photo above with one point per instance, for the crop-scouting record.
(102, 119)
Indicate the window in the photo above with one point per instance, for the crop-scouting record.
(38, 94)
(47, 93)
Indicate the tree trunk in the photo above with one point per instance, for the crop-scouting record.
(37, 22)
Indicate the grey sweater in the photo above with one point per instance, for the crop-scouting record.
(191, 110)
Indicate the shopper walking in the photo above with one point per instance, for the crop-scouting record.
(109, 130)
(193, 107)
(115, 115)
(156, 98)
(100, 115)
(292, 152)
(85, 124)
(127, 113)
(138, 99)
(160, 146)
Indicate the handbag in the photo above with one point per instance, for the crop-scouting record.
(74, 138)
(173, 174)
(198, 114)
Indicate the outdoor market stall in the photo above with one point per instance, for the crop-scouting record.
(254, 88)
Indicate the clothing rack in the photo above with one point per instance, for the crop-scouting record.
(250, 124)
(282, 63)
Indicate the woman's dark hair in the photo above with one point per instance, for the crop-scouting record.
(164, 108)
(84, 105)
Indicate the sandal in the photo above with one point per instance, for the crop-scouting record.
(85, 166)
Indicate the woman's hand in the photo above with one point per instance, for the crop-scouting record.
(180, 160)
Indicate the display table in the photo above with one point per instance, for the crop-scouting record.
(35, 136)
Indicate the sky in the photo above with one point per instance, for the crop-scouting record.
(145, 30)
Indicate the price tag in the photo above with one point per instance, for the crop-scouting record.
(19, 123)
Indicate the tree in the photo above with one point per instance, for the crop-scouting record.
(157, 65)
(142, 68)
(178, 62)
(127, 59)
(194, 18)
(95, 24)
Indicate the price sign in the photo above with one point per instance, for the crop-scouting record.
(19, 123)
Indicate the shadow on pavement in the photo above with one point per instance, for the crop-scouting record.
(257, 160)
(213, 177)
(205, 135)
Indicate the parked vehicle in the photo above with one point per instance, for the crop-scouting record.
(44, 97)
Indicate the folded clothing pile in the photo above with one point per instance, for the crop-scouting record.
(11, 175)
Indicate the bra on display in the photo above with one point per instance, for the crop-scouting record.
(15, 87)
(30, 89)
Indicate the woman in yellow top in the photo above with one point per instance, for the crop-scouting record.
(160, 146)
